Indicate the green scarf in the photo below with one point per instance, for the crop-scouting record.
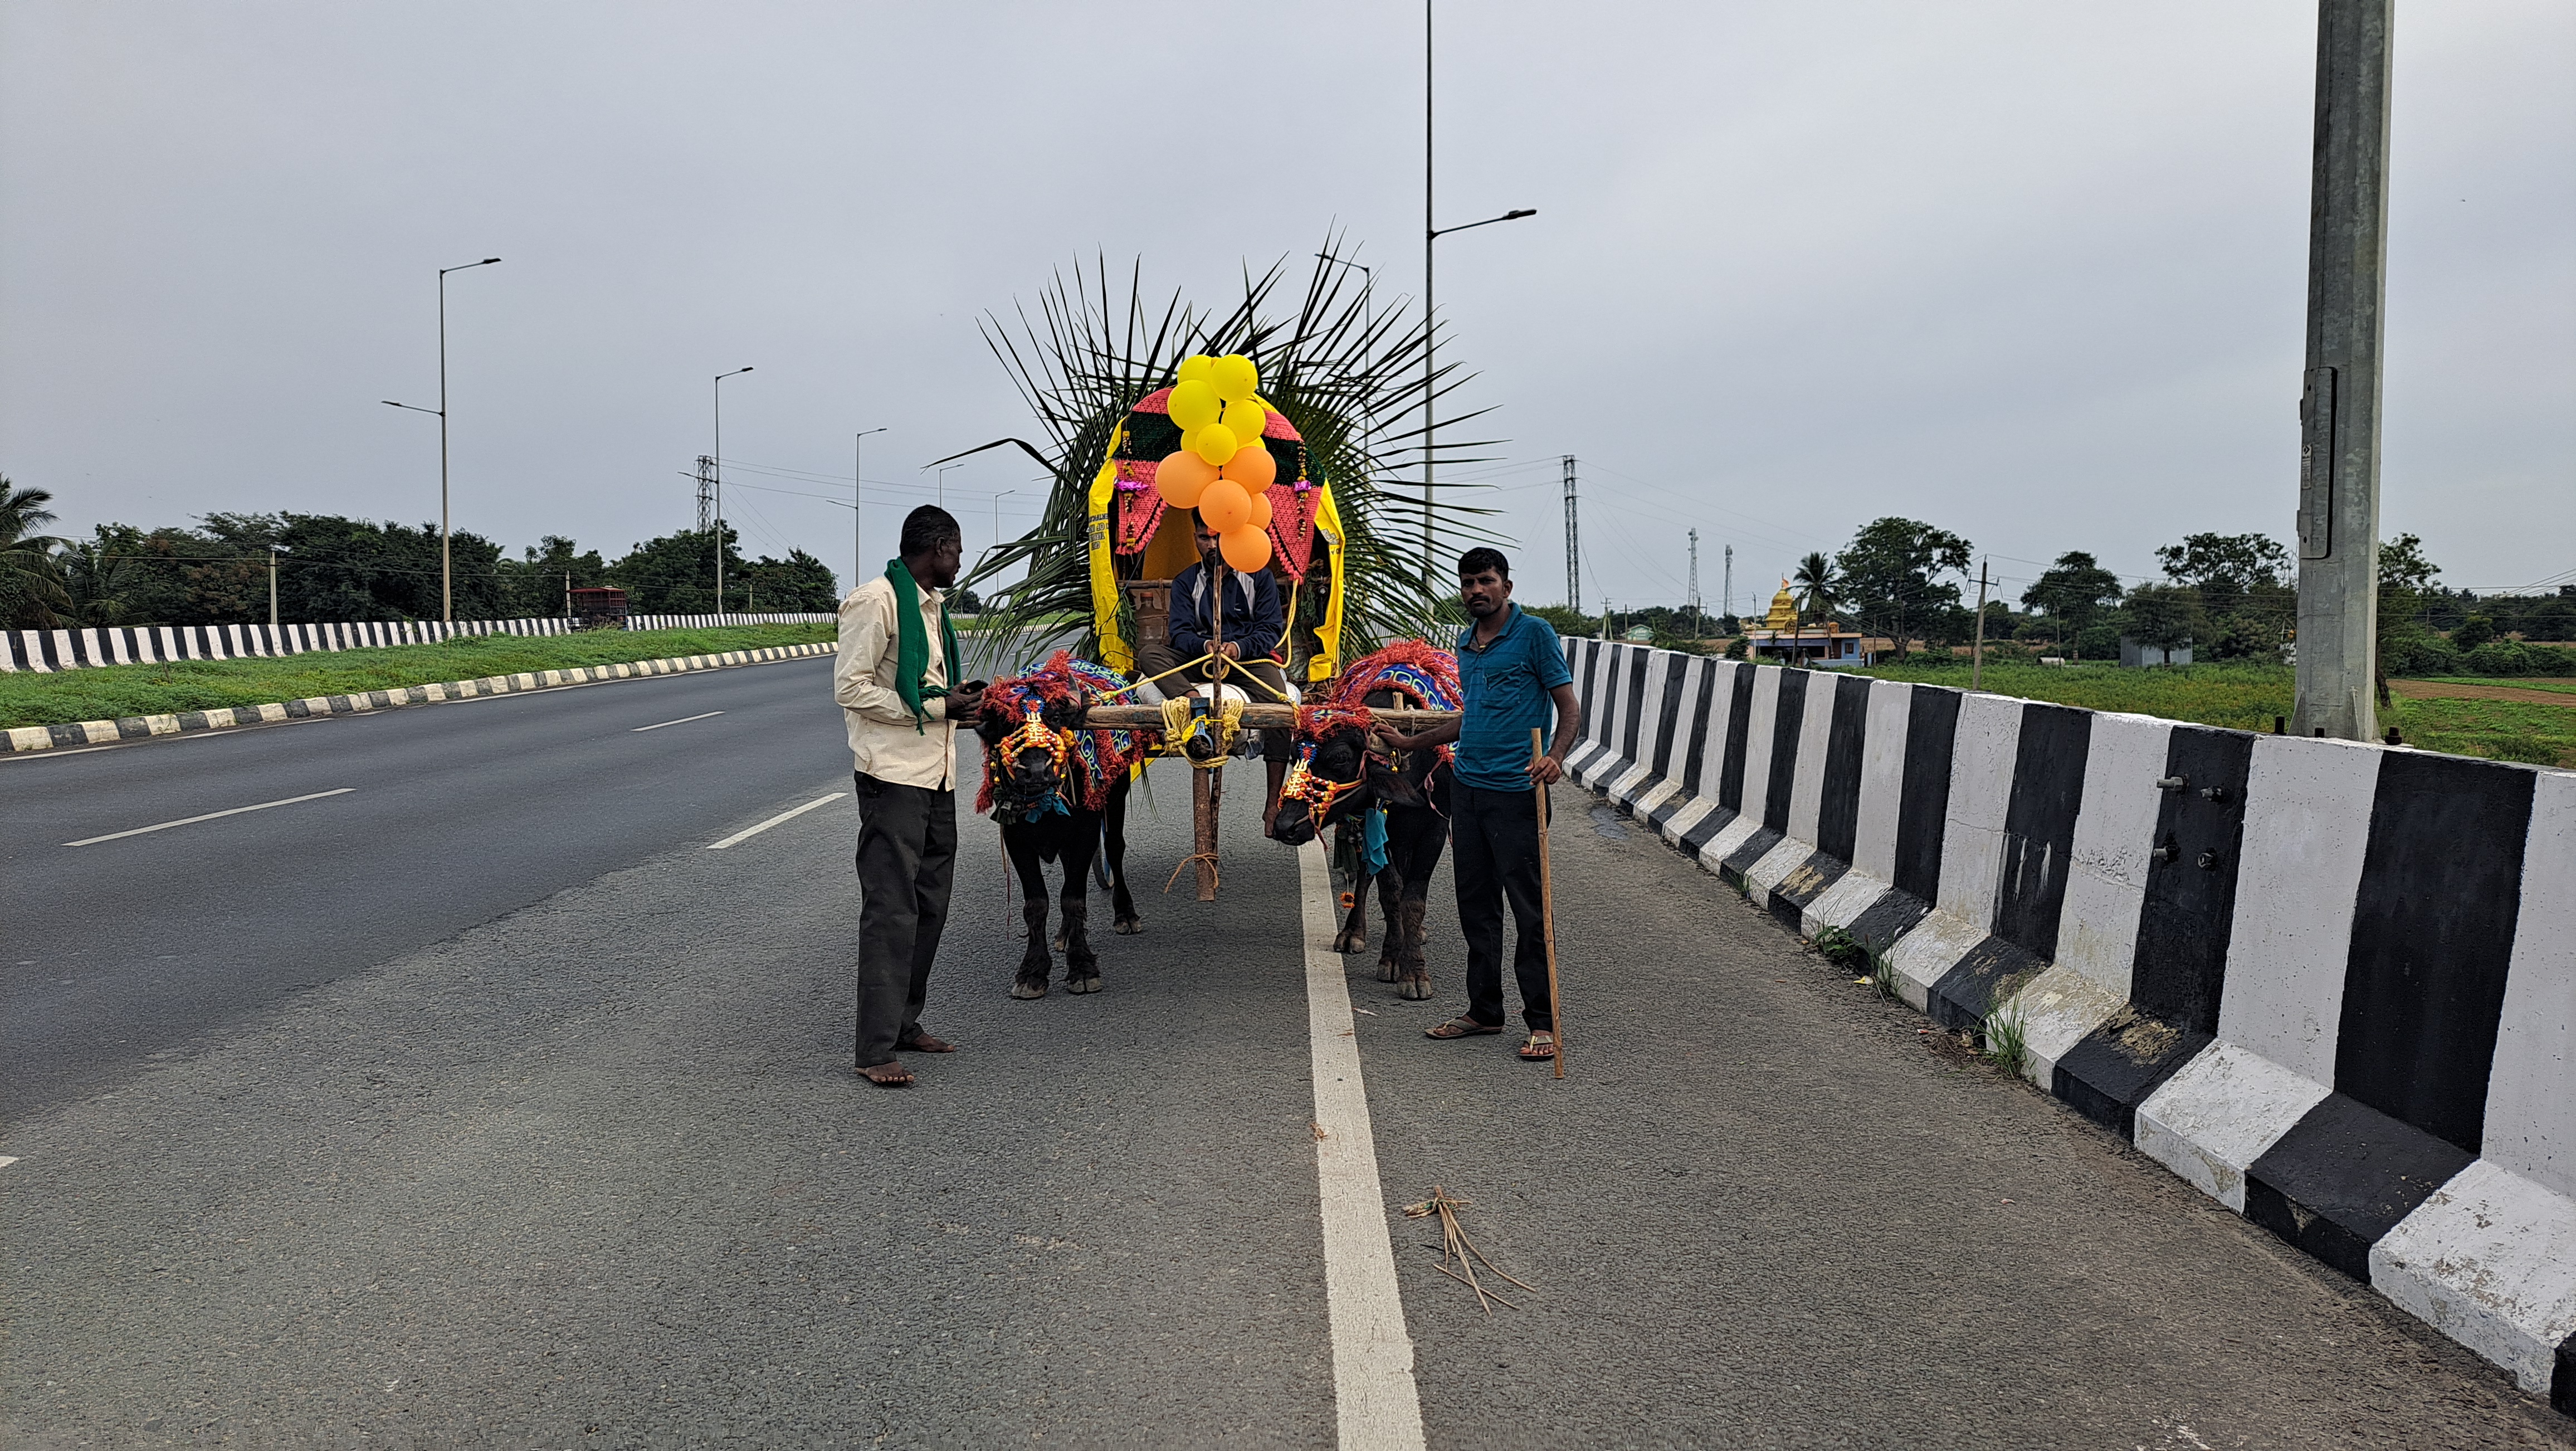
(912, 644)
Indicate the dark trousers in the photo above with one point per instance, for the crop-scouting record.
(1494, 856)
(907, 854)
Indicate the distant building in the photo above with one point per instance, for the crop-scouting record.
(1781, 640)
(2133, 655)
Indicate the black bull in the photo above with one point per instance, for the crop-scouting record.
(1415, 792)
(1072, 837)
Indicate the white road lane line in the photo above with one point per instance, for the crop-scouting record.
(749, 832)
(1374, 1398)
(684, 720)
(209, 816)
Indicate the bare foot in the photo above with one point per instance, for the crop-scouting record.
(922, 1042)
(888, 1075)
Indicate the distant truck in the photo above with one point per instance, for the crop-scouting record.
(603, 608)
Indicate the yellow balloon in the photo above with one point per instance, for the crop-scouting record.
(1215, 443)
(1195, 368)
(1245, 418)
(1194, 404)
(1234, 377)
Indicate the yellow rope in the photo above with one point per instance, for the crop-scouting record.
(1236, 669)
(1226, 718)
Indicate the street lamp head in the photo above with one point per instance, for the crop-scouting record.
(1514, 216)
(488, 261)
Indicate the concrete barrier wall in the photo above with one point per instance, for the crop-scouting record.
(51, 650)
(2332, 985)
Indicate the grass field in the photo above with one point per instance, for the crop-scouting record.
(111, 691)
(2247, 697)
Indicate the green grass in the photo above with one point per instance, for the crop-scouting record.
(111, 691)
(2555, 686)
(2246, 698)
(2238, 697)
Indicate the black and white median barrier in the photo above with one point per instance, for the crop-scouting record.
(44, 651)
(2332, 985)
(78, 734)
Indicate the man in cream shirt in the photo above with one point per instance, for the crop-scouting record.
(892, 679)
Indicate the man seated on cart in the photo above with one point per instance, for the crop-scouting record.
(1248, 646)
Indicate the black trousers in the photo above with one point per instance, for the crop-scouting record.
(1493, 838)
(907, 856)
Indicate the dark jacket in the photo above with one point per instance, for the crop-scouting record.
(1252, 616)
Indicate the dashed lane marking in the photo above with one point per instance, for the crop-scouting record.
(748, 832)
(209, 816)
(1376, 1404)
(684, 720)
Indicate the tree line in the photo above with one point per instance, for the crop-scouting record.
(2227, 596)
(333, 569)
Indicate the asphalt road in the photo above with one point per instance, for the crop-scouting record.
(123, 951)
(591, 1169)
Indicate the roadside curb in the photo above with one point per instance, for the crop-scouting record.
(22, 739)
(2328, 984)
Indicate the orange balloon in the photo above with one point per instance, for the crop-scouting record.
(1253, 467)
(1181, 477)
(1225, 506)
(1247, 548)
(1261, 509)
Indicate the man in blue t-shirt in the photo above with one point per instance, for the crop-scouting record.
(1514, 672)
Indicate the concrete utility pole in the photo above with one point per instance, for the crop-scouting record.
(1573, 544)
(272, 589)
(2339, 407)
(1730, 581)
(1694, 582)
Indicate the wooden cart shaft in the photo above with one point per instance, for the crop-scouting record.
(1258, 715)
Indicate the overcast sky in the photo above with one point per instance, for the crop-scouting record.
(2033, 272)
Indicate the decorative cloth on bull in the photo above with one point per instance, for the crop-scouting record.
(1069, 686)
(1417, 674)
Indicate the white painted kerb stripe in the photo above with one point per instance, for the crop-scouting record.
(209, 816)
(1374, 1397)
(751, 831)
(684, 720)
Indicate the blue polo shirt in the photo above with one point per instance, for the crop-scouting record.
(1507, 685)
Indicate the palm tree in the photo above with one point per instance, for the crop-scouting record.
(1814, 587)
(30, 577)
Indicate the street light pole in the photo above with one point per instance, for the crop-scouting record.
(858, 561)
(719, 456)
(446, 565)
(943, 484)
(1432, 232)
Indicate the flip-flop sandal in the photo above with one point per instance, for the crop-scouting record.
(1540, 1047)
(1462, 1027)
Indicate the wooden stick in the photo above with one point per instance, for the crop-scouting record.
(1547, 900)
(1257, 714)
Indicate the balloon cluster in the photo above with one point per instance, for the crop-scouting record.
(1222, 469)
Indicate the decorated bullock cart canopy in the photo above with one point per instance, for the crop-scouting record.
(1340, 395)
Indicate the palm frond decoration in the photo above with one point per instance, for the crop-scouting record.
(1344, 369)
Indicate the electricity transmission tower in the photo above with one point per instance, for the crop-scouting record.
(706, 493)
(1573, 544)
(1693, 601)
